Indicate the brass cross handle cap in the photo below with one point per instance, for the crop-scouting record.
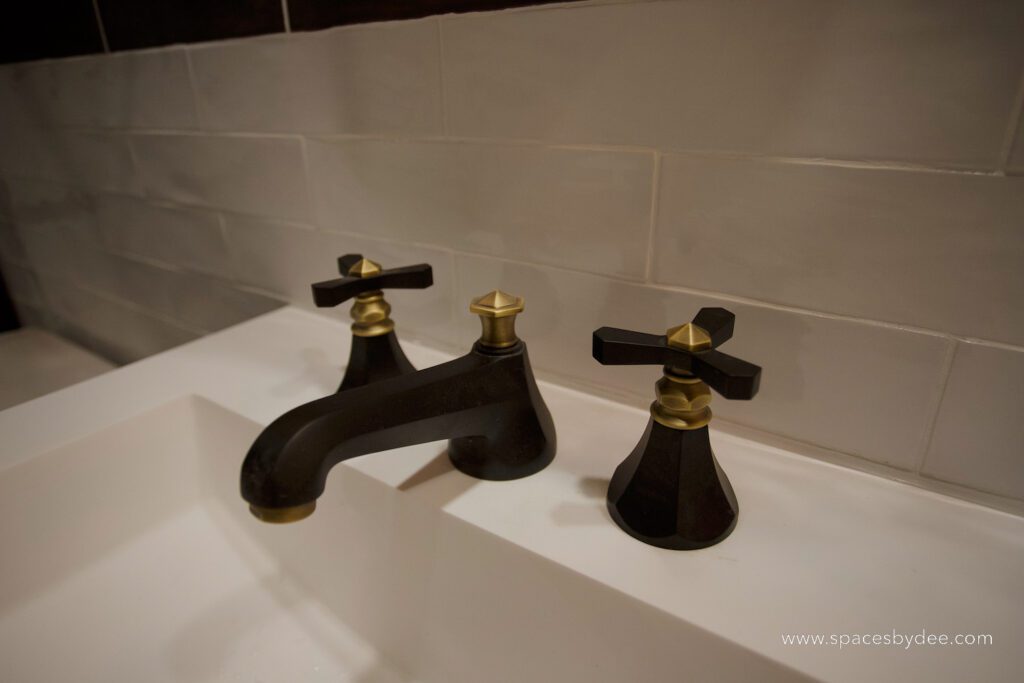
(497, 311)
(687, 348)
(362, 275)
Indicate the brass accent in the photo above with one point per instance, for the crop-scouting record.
(683, 401)
(497, 311)
(370, 311)
(371, 314)
(689, 337)
(364, 268)
(283, 515)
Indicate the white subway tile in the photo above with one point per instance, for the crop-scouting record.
(36, 202)
(201, 302)
(94, 160)
(585, 210)
(1015, 163)
(11, 247)
(359, 79)
(979, 436)
(24, 124)
(286, 259)
(418, 314)
(26, 95)
(255, 175)
(35, 316)
(21, 284)
(942, 251)
(856, 388)
(193, 300)
(281, 258)
(901, 80)
(6, 212)
(185, 237)
(98, 161)
(115, 330)
(128, 90)
(56, 227)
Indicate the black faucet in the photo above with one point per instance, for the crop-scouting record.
(670, 491)
(375, 352)
(486, 403)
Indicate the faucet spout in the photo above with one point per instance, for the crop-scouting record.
(486, 403)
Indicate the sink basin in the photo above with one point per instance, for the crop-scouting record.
(128, 556)
(127, 553)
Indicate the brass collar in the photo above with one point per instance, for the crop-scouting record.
(370, 314)
(683, 401)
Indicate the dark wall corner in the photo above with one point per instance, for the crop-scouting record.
(8, 316)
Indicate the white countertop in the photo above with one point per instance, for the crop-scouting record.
(34, 362)
(819, 549)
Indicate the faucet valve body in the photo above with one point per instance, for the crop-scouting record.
(375, 352)
(670, 491)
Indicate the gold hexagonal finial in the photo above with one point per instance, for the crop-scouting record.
(689, 337)
(497, 311)
(364, 268)
(496, 304)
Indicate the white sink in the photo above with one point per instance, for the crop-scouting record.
(127, 553)
(128, 556)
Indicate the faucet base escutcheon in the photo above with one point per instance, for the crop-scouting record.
(670, 491)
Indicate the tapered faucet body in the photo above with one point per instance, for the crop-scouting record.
(670, 491)
(485, 403)
(376, 353)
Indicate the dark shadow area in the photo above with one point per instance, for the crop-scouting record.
(8, 316)
(438, 466)
(130, 24)
(438, 482)
(594, 487)
(48, 28)
(310, 15)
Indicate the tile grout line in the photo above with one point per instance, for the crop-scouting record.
(797, 445)
(286, 16)
(168, 203)
(134, 156)
(727, 155)
(900, 327)
(158, 201)
(1011, 134)
(141, 310)
(307, 183)
(453, 308)
(99, 25)
(229, 250)
(655, 193)
(193, 90)
(114, 298)
(440, 76)
(929, 433)
(165, 203)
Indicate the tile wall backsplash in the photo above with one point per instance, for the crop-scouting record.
(943, 251)
(845, 177)
(381, 78)
(581, 209)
